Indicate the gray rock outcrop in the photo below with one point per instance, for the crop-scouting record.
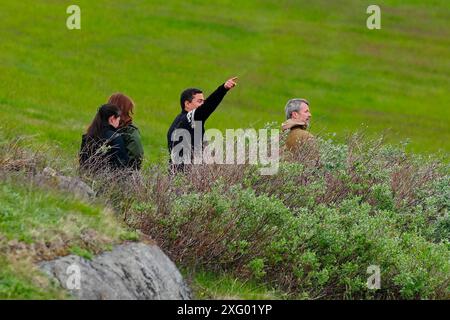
(130, 271)
(71, 184)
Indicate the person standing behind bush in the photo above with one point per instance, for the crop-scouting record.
(130, 132)
(297, 121)
(103, 146)
(194, 108)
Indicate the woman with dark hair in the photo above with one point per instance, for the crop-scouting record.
(130, 133)
(102, 145)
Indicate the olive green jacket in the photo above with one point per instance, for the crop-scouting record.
(133, 144)
(297, 134)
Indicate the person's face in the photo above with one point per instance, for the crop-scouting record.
(114, 121)
(303, 115)
(197, 101)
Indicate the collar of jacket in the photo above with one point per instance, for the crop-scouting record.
(107, 126)
(291, 124)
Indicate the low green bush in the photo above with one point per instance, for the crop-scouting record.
(314, 229)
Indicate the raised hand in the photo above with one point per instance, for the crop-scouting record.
(231, 83)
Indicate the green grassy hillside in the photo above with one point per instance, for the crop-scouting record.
(396, 78)
(41, 224)
(52, 81)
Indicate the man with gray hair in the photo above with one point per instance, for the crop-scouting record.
(298, 117)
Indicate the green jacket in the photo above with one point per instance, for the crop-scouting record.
(133, 144)
(297, 137)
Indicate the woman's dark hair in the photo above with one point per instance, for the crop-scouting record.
(101, 119)
(126, 106)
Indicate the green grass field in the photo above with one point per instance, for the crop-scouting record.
(40, 224)
(396, 79)
(52, 80)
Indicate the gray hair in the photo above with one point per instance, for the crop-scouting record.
(294, 105)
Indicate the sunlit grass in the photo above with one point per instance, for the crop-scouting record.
(394, 78)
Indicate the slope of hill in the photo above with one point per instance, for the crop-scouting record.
(53, 79)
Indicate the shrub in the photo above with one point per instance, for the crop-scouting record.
(314, 228)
